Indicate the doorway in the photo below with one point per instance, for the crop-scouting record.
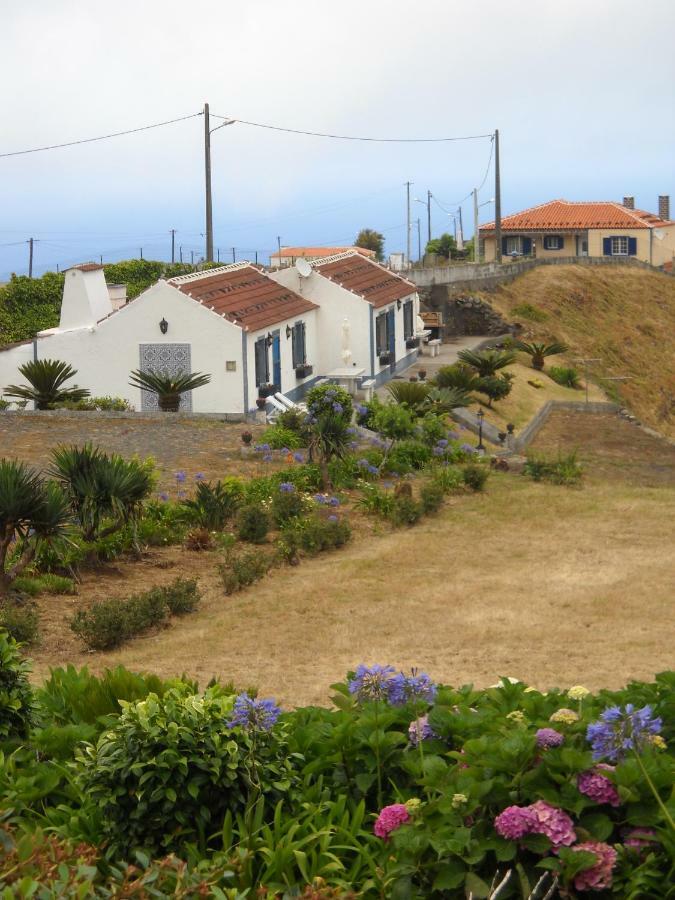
(276, 360)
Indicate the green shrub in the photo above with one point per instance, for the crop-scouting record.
(279, 438)
(180, 596)
(567, 376)
(529, 312)
(316, 534)
(294, 420)
(431, 429)
(253, 524)
(330, 399)
(287, 504)
(375, 500)
(366, 412)
(161, 524)
(103, 626)
(17, 711)
(394, 422)
(112, 404)
(564, 469)
(213, 505)
(242, 568)
(20, 621)
(44, 584)
(495, 387)
(167, 773)
(475, 476)
(448, 478)
(431, 497)
(406, 511)
(407, 456)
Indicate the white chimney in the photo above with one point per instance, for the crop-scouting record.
(85, 297)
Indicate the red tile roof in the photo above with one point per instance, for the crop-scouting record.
(243, 295)
(365, 278)
(86, 267)
(318, 252)
(566, 215)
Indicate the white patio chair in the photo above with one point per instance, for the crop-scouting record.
(289, 404)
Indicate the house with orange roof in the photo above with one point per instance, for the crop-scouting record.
(288, 256)
(564, 228)
(378, 309)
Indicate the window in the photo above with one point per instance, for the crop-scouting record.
(553, 242)
(619, 246)
(382, 334)
(408, 327)
(513, 246)
(299, 346)
(262, 370)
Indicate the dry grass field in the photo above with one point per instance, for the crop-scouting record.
(625, 317)
(553, 585)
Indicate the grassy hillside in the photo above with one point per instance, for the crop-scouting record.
(626, 317)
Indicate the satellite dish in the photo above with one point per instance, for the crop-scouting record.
(303, 267)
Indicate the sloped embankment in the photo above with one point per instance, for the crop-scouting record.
(625, 317)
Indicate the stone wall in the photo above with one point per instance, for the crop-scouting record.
(463, 314)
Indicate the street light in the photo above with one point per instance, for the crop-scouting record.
(480, 415)
(426, 203)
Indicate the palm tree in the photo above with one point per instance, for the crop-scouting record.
(487, 362)
(329, 439)
(46, 378)
(539, 352)
(168, 387)
(31, 511)
(105, 492)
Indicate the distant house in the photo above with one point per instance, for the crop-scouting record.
(234, 322)
(288, 256)
(381, 309)
(565, 228)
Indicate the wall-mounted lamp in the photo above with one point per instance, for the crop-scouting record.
(398, 304)
(164, 326)
(289, 331)
(269, 339)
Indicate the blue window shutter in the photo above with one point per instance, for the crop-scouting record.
(632, 246)
(527, 246)
(547, 242)
(503, 245)
(294, 347)
(606, 246)
(561, 240)
(303, 344)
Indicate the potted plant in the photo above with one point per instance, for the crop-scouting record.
(421, 374)
(266, 390)
(385, 359)
(412, 342)
(168, 387)
(261, 402)
(303, 371)
(246, 438)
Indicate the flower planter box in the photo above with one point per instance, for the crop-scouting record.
(266, 390)
(385, 359)
(303, 371)
(411, 343)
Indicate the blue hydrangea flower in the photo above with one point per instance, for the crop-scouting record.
(414, 687)
(180, 476)
(621, 730)
(371, 682)
(254, 715)
(286, 487)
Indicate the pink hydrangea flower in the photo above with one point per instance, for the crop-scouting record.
(389, 819)
(554, 823)
(549, 737)
(639, 838)
(597, 786)
(599, 875)
(515, 822)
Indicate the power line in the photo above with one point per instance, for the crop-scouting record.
(456, 203)
(346, 137)
(103, 137)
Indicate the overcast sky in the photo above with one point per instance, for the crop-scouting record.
(582, 92)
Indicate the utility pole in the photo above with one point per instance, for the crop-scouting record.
(419, 240)
(207, 164)
(30, 258)
(180, 253)
(461, 230)
(192, 257)
(218, 254)
(498, 202)
(407, 193)
(101, 258)
(173, 245)
(256, 257)
(475, 226)
(428, 215)
(234, 254)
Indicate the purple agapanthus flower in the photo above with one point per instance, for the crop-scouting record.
(320, 498)
(164, 497)
(353, 445)
(254, 715)
(548, 738)
(298, 457)
(286, 487)
(373, 470)
(362, 463)
(333, 501)
(438, 451)
(372, 682)
(350, 430)
(442, 443)
(621, 730)
(413, 687)
(420, 730)
(467, 448)
(181, 493)
(180, 476)
(332, 518)
(338, 408)
(453, 435)
(284, 451)
(267, 457)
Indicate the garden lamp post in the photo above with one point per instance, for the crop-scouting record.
(480, 416)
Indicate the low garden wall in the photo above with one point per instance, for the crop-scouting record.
(528, 434)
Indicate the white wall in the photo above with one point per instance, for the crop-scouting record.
(105, 355)
(10, 360)
(288, 380)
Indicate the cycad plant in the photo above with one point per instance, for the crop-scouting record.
(214, 504)
(32, 511)
(412, 393)
(105, 491)
(46, 378)
(487, 362)
(443, 400)
(539, 351)
(168, 387)
(457, 375)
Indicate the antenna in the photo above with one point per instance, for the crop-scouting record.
(303, 267)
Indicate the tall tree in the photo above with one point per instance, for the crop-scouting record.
(371, 240)
(445, 245)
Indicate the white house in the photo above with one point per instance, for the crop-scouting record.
(234, 322)
(380, 307)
